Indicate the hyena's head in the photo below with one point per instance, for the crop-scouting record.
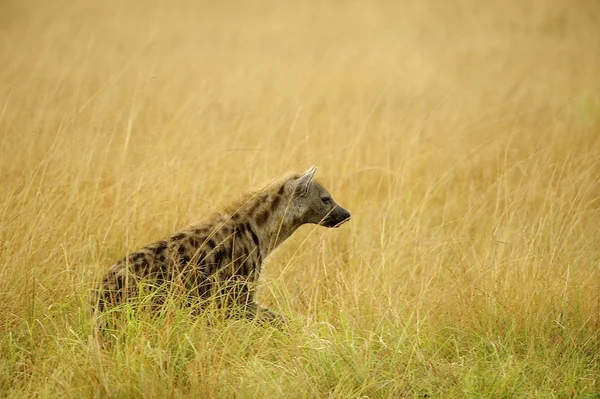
(311, 203)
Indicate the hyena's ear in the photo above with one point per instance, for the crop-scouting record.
(304, 181)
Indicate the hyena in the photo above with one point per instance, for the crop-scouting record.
(221, 257)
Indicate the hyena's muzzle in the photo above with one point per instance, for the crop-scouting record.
(336, 217)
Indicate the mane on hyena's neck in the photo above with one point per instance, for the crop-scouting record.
(248, 200)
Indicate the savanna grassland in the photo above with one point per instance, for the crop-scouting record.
(464, 136)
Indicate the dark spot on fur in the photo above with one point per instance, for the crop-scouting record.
(262, 218)
(163, 272)
(212, 262)
(253, 208)
(280, 192)
(244, 268)
(119, 282)
(241, 229)
(275, 203)
(140, 268)
(179, 237)
(182, 249)
(137, 256)
(211, 244)
(200, 231)
(254, 237)
(217, 257)
(160, 247)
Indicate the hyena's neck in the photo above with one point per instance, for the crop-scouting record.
(275, 232)
(266, 212)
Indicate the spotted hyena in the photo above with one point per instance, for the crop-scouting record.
(220, 258)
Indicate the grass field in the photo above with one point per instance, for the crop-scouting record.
(463, 136)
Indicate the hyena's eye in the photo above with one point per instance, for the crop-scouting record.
(326, 200)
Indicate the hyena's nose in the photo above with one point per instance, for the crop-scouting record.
(342, 217)
(346, 215)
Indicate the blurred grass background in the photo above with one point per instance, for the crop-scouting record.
(462, 135)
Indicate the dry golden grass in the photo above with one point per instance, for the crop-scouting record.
(464, 137)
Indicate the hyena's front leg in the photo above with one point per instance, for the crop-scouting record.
(241, 296)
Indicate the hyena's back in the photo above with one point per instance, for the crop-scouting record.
(191, 263)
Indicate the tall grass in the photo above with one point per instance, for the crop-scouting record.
(464, 137)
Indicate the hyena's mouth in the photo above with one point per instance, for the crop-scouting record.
(337, 222)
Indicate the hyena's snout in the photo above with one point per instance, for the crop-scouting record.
(336, 217)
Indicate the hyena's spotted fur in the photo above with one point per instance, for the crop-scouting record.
(221, 257)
